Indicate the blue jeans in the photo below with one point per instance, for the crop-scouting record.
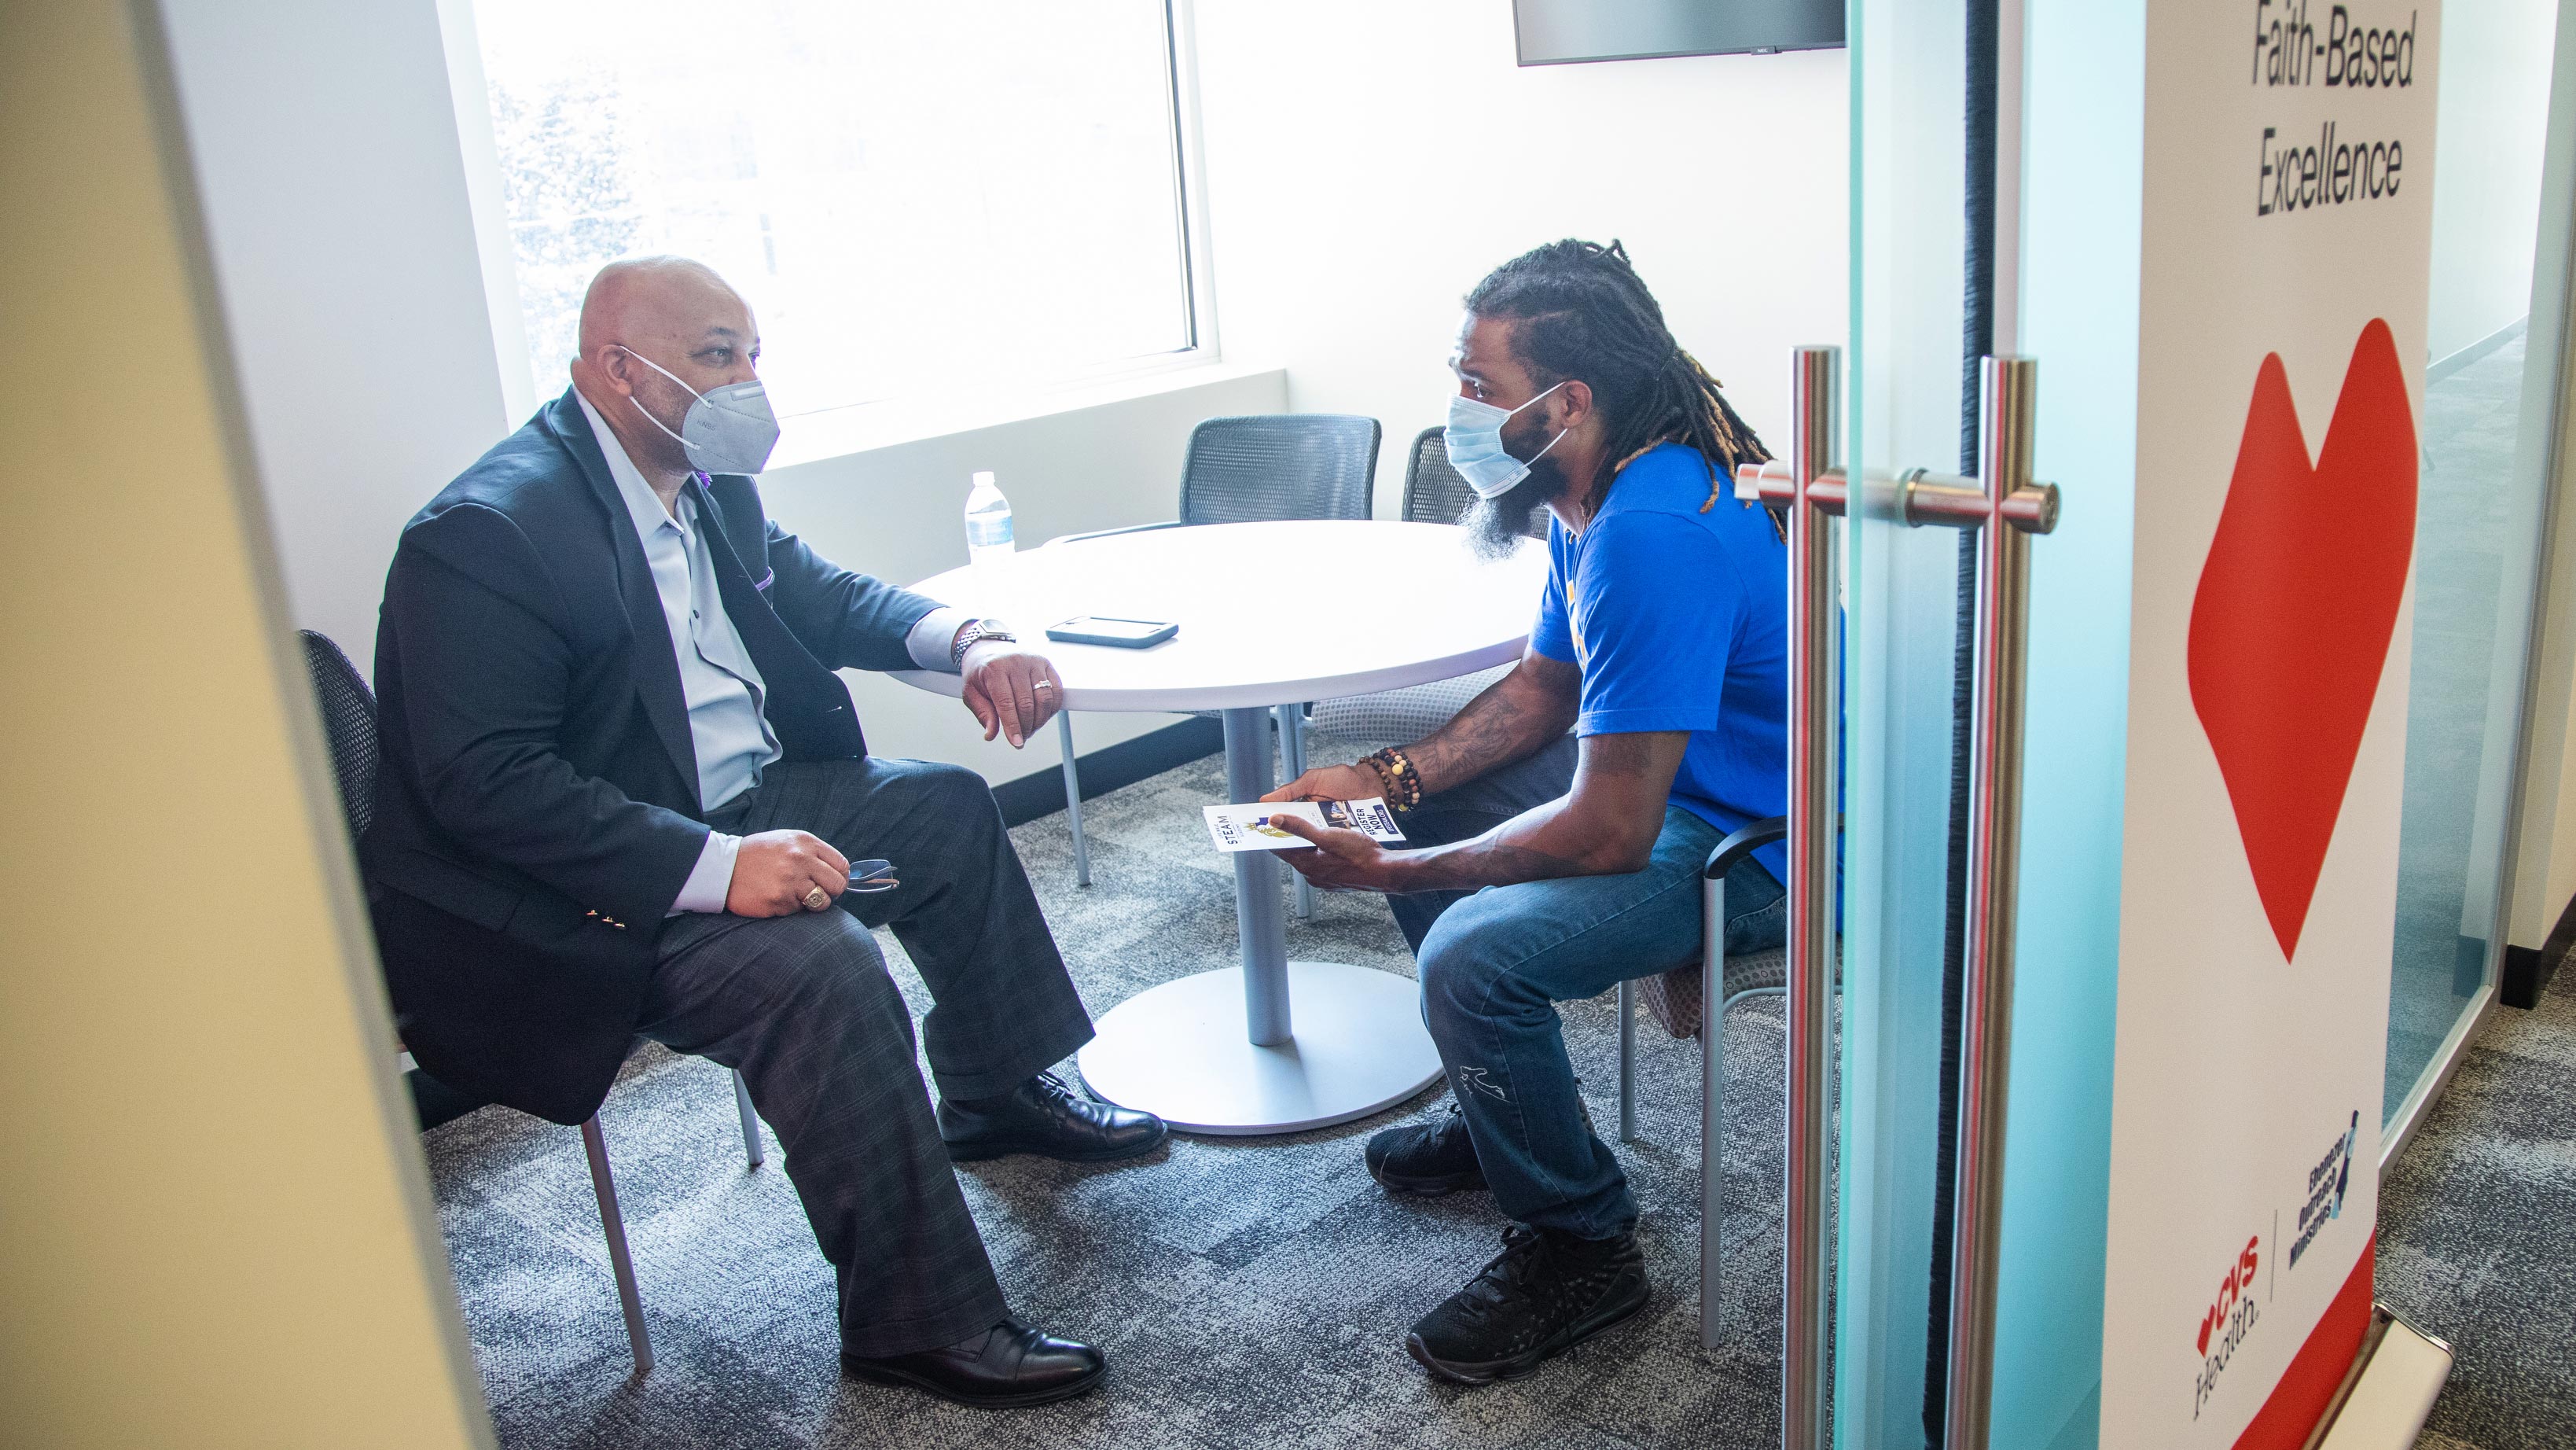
(1494, 964)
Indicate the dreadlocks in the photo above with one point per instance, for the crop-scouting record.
(1583, 313)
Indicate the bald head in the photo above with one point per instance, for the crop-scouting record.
(677, 315)
(644, 297)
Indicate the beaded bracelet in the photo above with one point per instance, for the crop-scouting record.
(1395, 773)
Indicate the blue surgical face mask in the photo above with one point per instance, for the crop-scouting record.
(727, 430)
(1475, 439)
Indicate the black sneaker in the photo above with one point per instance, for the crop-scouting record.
(1545, 1293)
(1428, 1158)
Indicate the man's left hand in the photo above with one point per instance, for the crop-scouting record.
(1341, 860)
(1012, 691)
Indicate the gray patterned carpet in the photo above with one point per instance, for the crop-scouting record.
(1248, 1292)
(2477, 1233)
(1254, 1292)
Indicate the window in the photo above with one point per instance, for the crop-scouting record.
(913, 197)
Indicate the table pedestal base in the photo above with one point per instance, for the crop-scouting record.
(1179, 1051)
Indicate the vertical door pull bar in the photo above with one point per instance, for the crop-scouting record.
(1813, 492)
(2005, 506)
(1994, 856)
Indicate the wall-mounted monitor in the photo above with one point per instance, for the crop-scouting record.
(1558, 32)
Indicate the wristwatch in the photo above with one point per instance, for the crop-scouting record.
(978, 631)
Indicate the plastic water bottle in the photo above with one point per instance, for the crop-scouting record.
(988, 522)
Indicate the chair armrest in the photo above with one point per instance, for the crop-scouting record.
(1105, 533)
(1740, 845)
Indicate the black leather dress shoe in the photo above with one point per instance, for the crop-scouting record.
(1007, 1365)
(1045, 1117)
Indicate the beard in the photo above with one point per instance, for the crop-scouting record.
(1495, 526)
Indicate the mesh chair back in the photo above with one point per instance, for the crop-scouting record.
(348, 723)
(1435, 494)
(1279, 466)
(1433, 491)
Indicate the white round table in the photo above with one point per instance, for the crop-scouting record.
(1269, 614)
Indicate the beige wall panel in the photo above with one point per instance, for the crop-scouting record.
(215, 1214)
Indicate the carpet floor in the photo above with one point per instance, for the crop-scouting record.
(1246, 1291)
(1256, 1291)
(2477, 1233)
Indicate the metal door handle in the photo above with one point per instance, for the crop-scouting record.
(2006, 507)
(1920, 496)
(2007, 421)
(1813, 492)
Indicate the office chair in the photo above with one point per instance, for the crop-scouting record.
(1253, 469)
(1688, 999)
(1433, 494)
(349, 725)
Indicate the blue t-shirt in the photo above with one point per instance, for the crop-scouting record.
(1679, 621)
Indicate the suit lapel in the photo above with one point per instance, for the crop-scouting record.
(807, 704)
(739, 517)
(764, 635)
(653, 659)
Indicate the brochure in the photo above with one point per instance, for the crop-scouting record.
(1248, 827)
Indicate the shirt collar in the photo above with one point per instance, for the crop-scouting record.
(642, 504)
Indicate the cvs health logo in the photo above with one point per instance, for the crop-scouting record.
(2224, 1325)
(2240, 1276)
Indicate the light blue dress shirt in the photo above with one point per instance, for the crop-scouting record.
(718, 681)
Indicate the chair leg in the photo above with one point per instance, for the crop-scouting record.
(1627, 1062)
(1292, 764)
(1712, 1098)
(630, 1301)
(1073, 798)
(751, 1148)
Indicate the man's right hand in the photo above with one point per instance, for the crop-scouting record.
(775, 870)
(1332, 783)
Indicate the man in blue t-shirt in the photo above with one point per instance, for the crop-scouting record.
(1552, 866)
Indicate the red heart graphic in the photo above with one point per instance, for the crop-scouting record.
(2206, 1320)
(2297, 603)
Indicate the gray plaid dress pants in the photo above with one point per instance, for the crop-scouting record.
(803, 1007)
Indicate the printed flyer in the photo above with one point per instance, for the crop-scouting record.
(1249, 828)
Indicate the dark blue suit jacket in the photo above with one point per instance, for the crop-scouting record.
(537, 807)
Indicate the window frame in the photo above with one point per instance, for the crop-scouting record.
(853, 427)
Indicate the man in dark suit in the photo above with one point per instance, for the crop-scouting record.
(621, 792)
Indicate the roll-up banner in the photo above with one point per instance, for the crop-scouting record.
(2287, 241)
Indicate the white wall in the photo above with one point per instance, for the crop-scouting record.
(1364, 166)
(2544, 878)
(1367, 163)
(325, 145)
(2544, 874)
(2559, 886)
(2486, 195)
(895, 512)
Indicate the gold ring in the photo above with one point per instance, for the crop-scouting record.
(817, 898)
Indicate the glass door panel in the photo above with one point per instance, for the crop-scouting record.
(1901, 591)
(1924, 173)
(2487, 423)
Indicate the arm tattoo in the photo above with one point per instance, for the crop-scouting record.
(1620, 791)
(1513, 717)
(1486, 860)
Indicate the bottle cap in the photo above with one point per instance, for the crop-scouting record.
(984, 479)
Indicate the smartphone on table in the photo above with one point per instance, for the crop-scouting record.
(1115, 633)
